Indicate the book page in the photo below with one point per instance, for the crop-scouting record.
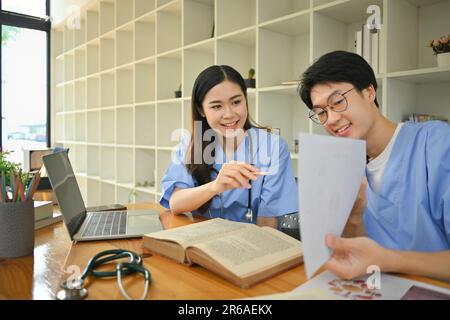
(198, 232)
(252, 250)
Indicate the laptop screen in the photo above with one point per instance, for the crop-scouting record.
(66, 189)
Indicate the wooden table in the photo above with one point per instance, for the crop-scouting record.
(38, 276)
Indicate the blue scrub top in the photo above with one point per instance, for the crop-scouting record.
(412, 211)
(272, 195)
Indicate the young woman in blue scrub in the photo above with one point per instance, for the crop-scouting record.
(402, 224)
(229, 167)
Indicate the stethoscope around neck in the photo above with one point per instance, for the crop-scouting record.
(249, 214)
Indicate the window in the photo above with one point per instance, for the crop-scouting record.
(25, 76)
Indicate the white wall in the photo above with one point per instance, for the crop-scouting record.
(59, 8)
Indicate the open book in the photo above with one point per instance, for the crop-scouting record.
(240, 252)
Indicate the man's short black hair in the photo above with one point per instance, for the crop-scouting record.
(336, 67)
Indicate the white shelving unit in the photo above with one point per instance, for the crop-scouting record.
(114, 78)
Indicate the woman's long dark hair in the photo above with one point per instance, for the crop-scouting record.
(206, 80)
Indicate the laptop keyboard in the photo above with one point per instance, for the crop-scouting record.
(106, 224)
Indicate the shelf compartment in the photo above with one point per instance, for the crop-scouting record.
(107, 52)
(80, 125)
(198, 21)
(169, 27)
(59, 70)
(125, 161)
(284, 49)
(93, 127)
(164, 159)
(59, 125)
(108, 193)
(80, 63)
(124, 46)
(124, 85)
(145, 130)
(69, 97)
(108, 163)
(92, 24)
(80, 159)
(106, 16)
(142, 7)
(68, 67)
(169, 75)
(59, 99)
(269, 9)
(235, 15)
(196, 59)
(124, 12)
(187, 115)
(167, 122)
(69, 126)
(335, 27)
(68, 38)
(145, 169)
(93, 193)
(281, 110)
(422, 21)
(251, 99)
(80, 95)
(93, 160)
(239, 51)
(80, 32)
(107, 90)
(92, 58)
(93, 93)
(124, 126)
(58, 40)
(160, 3)
(145, 37)
(409, 97)
(145, 81)
(108, 127)
(125, 195)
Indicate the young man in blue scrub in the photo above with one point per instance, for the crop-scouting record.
(403, 222)
(229, 165)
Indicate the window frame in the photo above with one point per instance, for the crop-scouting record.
(20, 20)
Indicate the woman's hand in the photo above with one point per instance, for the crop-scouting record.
(234, 175)
(352, 257)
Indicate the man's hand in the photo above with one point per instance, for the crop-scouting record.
(355, 222)
(352, 257)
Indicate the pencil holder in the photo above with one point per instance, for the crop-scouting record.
(16, 229)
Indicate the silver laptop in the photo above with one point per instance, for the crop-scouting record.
(83, 225)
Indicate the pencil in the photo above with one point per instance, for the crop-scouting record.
(22, 191)
(29, 187)
(5, 194)
(35, 185)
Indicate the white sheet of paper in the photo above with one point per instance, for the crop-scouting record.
(330, 175)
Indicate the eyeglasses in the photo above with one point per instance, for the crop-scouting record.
(337, 102)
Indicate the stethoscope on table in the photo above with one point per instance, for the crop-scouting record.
(74, 289)
(249, 214)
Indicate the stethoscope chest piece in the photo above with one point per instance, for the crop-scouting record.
(74, 291)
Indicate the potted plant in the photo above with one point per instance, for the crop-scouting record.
(441, 48)
(250, 82)
(178, 92)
